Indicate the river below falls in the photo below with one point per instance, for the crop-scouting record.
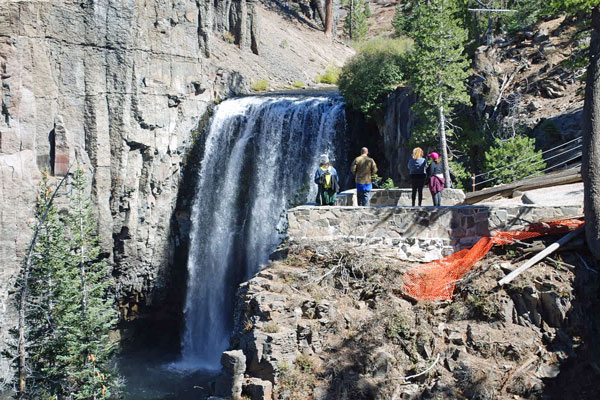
(154, 378)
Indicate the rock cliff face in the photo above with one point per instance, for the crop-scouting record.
(397, 131)
(332, 324)
(119, 86)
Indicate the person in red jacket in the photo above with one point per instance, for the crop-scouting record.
(435, 173)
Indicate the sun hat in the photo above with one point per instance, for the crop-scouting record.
(324, 159)
(434, 155)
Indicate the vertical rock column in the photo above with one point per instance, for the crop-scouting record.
(229, 384)
(61, 148)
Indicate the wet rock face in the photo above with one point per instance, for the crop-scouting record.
(120, 87)
(397, 131)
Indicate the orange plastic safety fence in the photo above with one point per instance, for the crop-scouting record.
(435, 281)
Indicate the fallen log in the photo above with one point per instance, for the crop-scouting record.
(548, 250)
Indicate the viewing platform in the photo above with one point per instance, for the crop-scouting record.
(391, 225)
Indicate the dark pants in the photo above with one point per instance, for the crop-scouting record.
(437, 199)
(418, 181)
(363, 197)
(325, 197)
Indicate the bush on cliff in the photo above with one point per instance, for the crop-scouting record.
(375, 71)
(330, 76)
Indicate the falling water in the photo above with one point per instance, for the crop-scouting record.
(260, 156)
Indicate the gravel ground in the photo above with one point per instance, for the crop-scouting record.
(551, 196)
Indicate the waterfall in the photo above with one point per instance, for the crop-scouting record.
(260, 157)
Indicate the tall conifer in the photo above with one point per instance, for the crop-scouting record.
(62, 348)
(440, 67)
(87, 313)
(356, 25)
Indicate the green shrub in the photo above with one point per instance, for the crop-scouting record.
(375, 71)
(482, 306)
(513, 159)
(462, 178)
(298, 383)
(260, 86)
(271, 327)
(573, 6)
(527, 13)
(298, 85)
(305, 363)
(228, 37)
(331, 75)
(388, 184)
(397, 328)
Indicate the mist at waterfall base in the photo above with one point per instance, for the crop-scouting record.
(259, 158)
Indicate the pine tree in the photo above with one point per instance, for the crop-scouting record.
(86, 313)
(62, 347)
(328, 28)
(591, 141)
(35, 348)
(355, 25)
(405, 16)
(502, 160)
(440, 67)
(50, 258)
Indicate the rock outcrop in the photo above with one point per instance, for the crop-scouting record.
(397, 131)
(118, 87)
(122, 88)
(349, 334)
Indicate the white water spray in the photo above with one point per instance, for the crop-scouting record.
(260, 153)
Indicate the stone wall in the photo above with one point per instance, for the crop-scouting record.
(413, 233)
(399, 197)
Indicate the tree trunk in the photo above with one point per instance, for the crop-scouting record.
(351, 19)
(329, 17)
(443, 145)
(591, 141)
(319, 7)
(22, 303)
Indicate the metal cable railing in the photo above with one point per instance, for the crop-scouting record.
(562, 163)
(528, 158)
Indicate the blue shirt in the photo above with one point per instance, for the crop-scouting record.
(418, 166)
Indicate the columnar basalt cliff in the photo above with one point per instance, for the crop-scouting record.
(121, 87)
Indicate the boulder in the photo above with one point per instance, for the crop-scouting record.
(229, 386)
(257, 389)
(229, 383)
(234, 362)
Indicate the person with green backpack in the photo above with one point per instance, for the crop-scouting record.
(326, 177)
